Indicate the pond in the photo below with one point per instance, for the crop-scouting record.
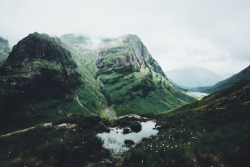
(114, 140)
(198, 93)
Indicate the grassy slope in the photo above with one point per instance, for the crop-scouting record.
(243, 75)
(210, 132)
(127, 89)
(49, 146)
(132, 89)
(41, 89)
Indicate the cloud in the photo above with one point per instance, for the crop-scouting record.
(214, 34)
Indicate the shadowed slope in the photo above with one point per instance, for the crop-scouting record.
(40, 81)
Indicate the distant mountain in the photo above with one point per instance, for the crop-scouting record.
(4, 49)
(193, 77)
(241, 76)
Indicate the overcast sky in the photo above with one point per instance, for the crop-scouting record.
(214, 34)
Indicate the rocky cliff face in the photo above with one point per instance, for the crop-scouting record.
(4, 49)
(124, 51)
(129, 78)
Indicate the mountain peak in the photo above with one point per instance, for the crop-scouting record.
(38, 47)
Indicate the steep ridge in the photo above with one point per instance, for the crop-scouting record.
(40, 81)
(4, 49)
(130, 79)
(193, 77)
(241, 76)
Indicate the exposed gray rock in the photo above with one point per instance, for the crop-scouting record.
(65, 125)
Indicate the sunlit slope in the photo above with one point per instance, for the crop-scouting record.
(241, 76)
(127, 75)
(40, 81)
(131, 80)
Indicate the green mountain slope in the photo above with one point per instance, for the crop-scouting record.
(4, 49)
(46, 77)
(211, 132)
(40, 81)
(131, 80)
(243, 75)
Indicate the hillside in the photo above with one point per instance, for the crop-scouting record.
(241, 76)
(193, 77)
(129, 78)
(40, 81)
(211, 132)
(4, 49)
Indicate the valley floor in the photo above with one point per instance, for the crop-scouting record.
(211, 132)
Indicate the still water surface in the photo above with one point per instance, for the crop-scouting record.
(115, 141)
(198, 93)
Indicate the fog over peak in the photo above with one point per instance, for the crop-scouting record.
(211, 34)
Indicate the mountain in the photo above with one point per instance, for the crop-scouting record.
(40, 81)
(129, 78)
(241, 76)
(46, 77)
(193, 77)
(4, 49)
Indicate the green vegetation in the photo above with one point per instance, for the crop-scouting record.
(241, 76)
(44, 85)
(45, 78)
(210, 132)
(50, 146)
(126, 74)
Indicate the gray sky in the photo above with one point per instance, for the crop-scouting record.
(214, 34)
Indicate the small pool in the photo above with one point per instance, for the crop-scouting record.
(197, 93)
(114, 140)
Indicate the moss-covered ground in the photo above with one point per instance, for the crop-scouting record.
(50, 146)
(198, 135)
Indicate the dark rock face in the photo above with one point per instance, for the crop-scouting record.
(135, 127)
(37, 70)
(129, 142)
(126, 131)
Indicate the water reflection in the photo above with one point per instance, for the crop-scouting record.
(114, 140)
